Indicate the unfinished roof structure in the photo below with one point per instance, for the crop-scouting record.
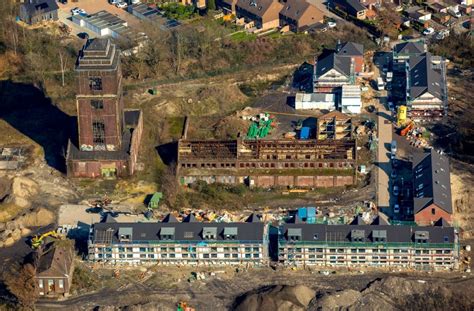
(334, 125)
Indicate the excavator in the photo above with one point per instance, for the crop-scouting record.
(38, 240)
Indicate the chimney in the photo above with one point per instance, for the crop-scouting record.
(338, 45)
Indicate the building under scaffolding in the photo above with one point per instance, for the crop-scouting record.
(267, 163)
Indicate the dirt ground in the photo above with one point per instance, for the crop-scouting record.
(165, 286)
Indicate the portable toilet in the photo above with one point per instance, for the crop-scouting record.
(155, 200)
(304, 133)
(302, 213)
(311, 215)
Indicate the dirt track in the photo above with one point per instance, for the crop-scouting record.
(218, 293)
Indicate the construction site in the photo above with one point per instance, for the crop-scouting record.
(298, 159)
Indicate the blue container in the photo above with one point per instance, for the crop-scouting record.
(302, 213)
(311, 215)
(304, 133)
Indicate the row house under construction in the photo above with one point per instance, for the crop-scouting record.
(172, 242)
(431, 248)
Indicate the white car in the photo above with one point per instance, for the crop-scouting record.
(396, 191)
(121, 5)
(77, 11)
(331, 24)
(428, 31)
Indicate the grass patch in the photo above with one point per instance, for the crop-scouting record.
(243, 36)
(176, 126)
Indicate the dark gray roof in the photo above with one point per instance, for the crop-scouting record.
(380, 220)
(35, 7)
(432, 170)
(358, 221)
(333, 61)
(355, 4)
(350, 49)
(410, 48)
(183, 231)
(342, 233)
(424, 78)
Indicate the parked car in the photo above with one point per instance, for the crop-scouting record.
(121, 5)
(396, 191)
(393, 146)
(77, 11)
(391, 107)
(393, 174)
(396, 208)
(428, 31)
(456, 14)
(331, 24)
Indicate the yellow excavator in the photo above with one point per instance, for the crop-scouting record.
(38, 240)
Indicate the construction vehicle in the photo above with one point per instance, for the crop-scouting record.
(407, 128)
(38, 240)
(402, 115)
(183, 306)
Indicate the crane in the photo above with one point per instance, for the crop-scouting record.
(38, 240)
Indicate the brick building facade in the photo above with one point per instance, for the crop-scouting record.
(109, 135)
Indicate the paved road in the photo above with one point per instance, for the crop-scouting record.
(384, 168)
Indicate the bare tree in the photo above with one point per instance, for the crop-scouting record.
(21, 283)
(63, 63)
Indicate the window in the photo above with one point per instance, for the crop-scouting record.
(61, 283)
(97, 104)
(433, 211)
(40, 283)
(50, 284)
(98, 132)
(95, 84)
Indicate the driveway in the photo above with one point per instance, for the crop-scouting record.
(322, 5)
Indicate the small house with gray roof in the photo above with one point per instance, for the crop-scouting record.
(432, 188)
(338, 68)
(37, 11)
(299, 15)
(351, 7)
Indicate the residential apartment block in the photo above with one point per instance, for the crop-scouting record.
(433, 248)
(426, 88)
(425, 74)
(172, 242)
(432, 188)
